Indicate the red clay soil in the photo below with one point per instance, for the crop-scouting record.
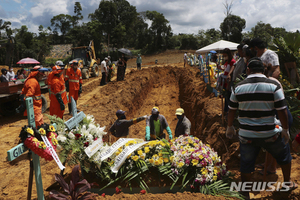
(168, 86)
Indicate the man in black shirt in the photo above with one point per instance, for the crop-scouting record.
(121, 126)
(3, 77)
(124, 60)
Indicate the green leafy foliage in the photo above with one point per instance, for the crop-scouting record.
(232, 28)
(75, 190)
(265, 32)
(287, 47)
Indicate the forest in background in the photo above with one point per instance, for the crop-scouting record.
(116, 24)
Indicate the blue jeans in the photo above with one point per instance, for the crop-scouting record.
(250, 150)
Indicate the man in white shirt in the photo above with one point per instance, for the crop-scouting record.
(10, 74)
(185, 58)
(268, 57)
(104, 71)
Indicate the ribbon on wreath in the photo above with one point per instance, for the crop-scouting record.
(120, 159)
(53, 152)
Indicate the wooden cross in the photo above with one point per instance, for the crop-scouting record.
(77, 118)
(20, 149)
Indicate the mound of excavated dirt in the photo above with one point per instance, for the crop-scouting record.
(168, 87)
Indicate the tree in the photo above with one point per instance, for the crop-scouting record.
(160, 30)
(126, 19)
(209, 36)
(63, 23)
(232, 27)
(228, 7)
(118, 19)
(5, 25)
(266, 32)
(141, 32)
(94, 28)
(24, 43)
(7, 46)
(42, 43)
(188, 41)
(106, 14)
(78, 16)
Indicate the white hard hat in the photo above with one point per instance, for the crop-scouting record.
(59, 63)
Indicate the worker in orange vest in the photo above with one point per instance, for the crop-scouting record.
(58, 93)
(73, 81)
(32, 89)
(49, 79)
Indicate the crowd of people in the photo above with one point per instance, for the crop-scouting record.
(258, 98)
(58, 86)
(108, 68)
(9, 75)
(263, 115)
(156, 123)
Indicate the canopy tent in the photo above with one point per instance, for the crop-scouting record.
(217, 46)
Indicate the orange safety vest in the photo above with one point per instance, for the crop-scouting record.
(32, 89)
(57, 87)
(74, 78)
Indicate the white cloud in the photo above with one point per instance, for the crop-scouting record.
(185, 16)
(55, 7)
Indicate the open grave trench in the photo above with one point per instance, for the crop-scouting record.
(168, 88)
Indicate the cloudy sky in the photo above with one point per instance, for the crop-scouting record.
(185, 16)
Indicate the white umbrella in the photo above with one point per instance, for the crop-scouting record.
(217, 46)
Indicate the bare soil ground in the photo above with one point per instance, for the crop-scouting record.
(167, 85)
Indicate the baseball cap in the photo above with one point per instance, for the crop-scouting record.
(179, 111)
(120, 112)
(108, 57)
(105, 58)
(155, 110)
(59, 63)
(255, 63)
(3, 70)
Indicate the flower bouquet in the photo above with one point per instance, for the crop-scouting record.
(196, 163)
(31, 137)
(129, 161)
(72, 143)
(152, 155)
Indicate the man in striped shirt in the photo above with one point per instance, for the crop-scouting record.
(256, 98)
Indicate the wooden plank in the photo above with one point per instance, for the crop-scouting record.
(35, 158)
(74, 121)
(16, 152)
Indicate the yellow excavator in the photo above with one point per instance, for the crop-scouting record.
(86, 57)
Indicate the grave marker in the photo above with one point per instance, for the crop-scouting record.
(20, 149)
(16, 152)
(74, 121)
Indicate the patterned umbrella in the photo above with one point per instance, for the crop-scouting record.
(28, 61)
